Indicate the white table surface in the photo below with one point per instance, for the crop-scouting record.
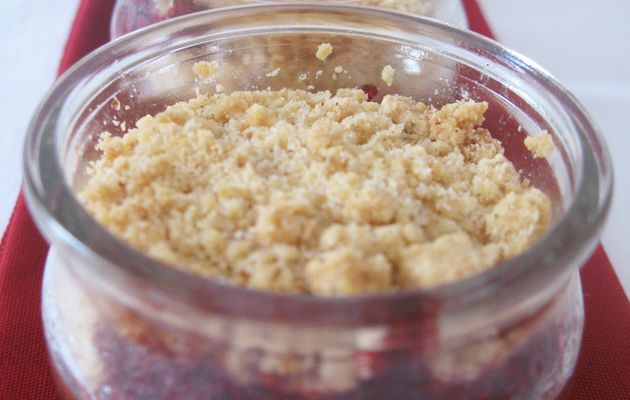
(584, 43)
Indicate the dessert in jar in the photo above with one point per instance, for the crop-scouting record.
(268, 244)
(130, 15)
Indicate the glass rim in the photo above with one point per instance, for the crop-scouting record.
(567, 242)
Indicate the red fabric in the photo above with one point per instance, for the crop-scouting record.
(476, 21)
(25, 373)
(24, 369)
(603, 370)
(89, 31)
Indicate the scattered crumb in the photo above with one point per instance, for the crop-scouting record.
(318, 74)
(302, 77)
(310, 87)
(205, 69)
(387, 75)
(273, 73)
(127, 107)
(540, 146)
(338, 69)
(323, 51)
(334, 76)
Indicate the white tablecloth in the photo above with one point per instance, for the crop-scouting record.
(584, 43)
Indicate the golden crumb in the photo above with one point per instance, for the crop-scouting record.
(205, 69)
(387, 75)
(295, 191)
(323, 51)
(540, 146)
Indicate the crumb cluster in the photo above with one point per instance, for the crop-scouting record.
(295, 191)
(540, 146)
(323, 51)
(387, 75)
(205, 69)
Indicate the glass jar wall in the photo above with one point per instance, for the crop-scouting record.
(122, 325)
(104, 348)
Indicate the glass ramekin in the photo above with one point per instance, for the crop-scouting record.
(130, 15)
(122, 325)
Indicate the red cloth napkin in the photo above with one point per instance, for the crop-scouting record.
(25, 373)
(603, 370)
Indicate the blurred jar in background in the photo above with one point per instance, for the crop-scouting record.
(130, 15)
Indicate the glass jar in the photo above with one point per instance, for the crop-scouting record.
(122, 325)
(130, 15)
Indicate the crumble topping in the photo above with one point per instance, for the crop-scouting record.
(319, 193)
